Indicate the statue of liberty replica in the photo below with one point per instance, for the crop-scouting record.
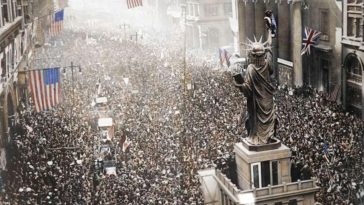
(255, 83)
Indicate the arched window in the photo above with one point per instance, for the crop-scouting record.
(353, 68)
(353, 84)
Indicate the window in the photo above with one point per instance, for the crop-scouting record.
(354, 25)
(26, 14)
(190, 9)
(3, 65)
(255, 174)
(274, 172)
(292, 202)
(353, 81)
(350, 30)
(211, 10)
(324, 24)
(18, 8)
(197, 10)
(193, 10)
(264, 174)
(354, 70)
(278, 203)
(5, 11)
(228, 10)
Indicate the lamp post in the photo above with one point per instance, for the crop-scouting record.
(72, 67)
(124, 25)
(184, 124)
(136, 37)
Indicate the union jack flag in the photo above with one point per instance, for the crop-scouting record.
(224, 56)
(311, 37)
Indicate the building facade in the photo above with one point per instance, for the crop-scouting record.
(207, 24)
(320, 69)
(353, 55)
(15, 41)
(19, 20)
(287, 44)
(174, 13)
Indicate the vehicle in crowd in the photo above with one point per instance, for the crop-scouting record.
(101, 106)
(106, 129)
(109, 167)
(103, 151)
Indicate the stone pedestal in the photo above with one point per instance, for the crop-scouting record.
(246, 159)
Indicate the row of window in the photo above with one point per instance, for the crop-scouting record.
(11, 56)
(10, 10)
(355, 19)
(193, 9)
(355, 27)
(264, 174)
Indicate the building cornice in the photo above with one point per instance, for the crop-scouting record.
(354, 42)
(9, 28)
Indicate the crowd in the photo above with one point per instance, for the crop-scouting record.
(175, 129)
(326, 143)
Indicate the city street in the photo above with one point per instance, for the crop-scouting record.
(140, 114)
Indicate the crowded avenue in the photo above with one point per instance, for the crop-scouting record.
(138, 119)
(172, 134)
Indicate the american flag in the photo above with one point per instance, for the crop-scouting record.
(126, 144)
(134, 3)
(56, 23)
(311, 37)
(224, 56)
(45, 86)
(274, 26)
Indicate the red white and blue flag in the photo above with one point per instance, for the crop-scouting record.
(45, 87)
(134, 3)
(224, 56)
(311, 37)
(56, 23)
(126, 144)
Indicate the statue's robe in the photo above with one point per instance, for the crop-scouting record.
(259, 91)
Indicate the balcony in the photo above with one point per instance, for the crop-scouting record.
(353, 41)
(265, 193)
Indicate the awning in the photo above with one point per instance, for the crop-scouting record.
(104, 122)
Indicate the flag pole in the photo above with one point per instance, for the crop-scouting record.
(183, 138)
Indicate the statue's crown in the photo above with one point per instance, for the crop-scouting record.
(256, 48)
